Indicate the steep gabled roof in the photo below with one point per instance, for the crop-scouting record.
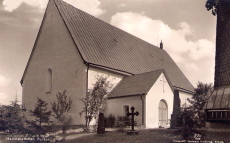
(136, 85)
(104, 45)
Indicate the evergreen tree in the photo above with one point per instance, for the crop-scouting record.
(40, 123)
(12, 117)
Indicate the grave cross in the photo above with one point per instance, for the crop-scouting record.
(133, 114)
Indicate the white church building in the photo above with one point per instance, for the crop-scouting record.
(72, 47)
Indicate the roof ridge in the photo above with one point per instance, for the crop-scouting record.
(109, 24)
(149, 72)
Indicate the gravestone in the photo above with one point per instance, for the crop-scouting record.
(101, 125)
(132, 132)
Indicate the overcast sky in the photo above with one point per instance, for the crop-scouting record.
(186, 28)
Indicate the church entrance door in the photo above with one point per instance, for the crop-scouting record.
(163, 114)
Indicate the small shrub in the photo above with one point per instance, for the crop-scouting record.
(110, 121)
(188, 122)
(122, 122)
(186, 118)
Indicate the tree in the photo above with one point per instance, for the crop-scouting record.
(214, 5)
(40, 123)
(12, 116)
(60, 109)
(187, 121)
(199, 99)
(95, 100)
(192, 116)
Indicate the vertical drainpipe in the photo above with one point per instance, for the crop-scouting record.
(143, 108)
(87, 77)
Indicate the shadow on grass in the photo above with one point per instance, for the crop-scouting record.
(153, 136)
(144, 136)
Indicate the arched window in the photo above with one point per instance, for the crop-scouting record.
(163, 113)
(125, 110)
(49, 80)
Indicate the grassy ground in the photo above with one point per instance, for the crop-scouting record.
(144, 136)
(121, 137)
(151, 136)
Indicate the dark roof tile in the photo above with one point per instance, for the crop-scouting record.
(135, 85)
(103, 44)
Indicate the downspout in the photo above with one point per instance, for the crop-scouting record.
(143, 108)
(87, 72)
(87, 77)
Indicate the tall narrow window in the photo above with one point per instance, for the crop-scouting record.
(49, 80)
(125, 110)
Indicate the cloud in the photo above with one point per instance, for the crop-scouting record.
(11, 5)
(174, 40)
(191, 67)
(89, 6)
(122, 5)
(190, 55)
(4, 99)
(4, 81)
(185, 29)
(3, 95)
(37, 3)
(202, 49)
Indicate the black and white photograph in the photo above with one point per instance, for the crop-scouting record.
(115, 71)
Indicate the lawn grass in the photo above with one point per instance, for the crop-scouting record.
(144, 136)
(121, 137)
(151, 136)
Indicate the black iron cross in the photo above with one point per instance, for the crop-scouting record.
(133, 114)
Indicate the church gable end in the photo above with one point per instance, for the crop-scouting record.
(159, 97)
(55, 65)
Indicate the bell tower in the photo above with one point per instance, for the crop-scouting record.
(222, 65)
(218, 105)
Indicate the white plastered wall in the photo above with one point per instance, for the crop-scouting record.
(115, 107)
(113, 77)
(183, 98)
(157, 93)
